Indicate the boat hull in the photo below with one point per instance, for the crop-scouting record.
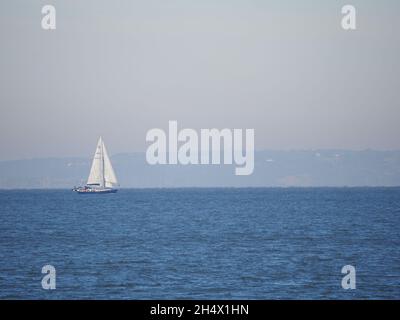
(95, 191)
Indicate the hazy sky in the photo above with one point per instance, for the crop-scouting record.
(119, 68)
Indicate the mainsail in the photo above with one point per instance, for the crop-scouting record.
(110, 180)
(102, 173)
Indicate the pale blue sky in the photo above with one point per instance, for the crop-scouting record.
(120, 68)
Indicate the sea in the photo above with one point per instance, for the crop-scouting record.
(250, 243)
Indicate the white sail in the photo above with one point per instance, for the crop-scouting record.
(102, 177)
(96, 176)
(110, 180)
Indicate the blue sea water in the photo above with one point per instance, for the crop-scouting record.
(201, 243)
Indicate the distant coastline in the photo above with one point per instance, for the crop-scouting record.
(211, 188)
(273, 168)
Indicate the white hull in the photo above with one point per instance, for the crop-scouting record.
(94, 191)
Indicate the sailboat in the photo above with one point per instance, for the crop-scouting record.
(102, 177)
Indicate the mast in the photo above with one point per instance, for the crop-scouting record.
(103, 182)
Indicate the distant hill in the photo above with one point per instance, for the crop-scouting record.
(272, 169)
